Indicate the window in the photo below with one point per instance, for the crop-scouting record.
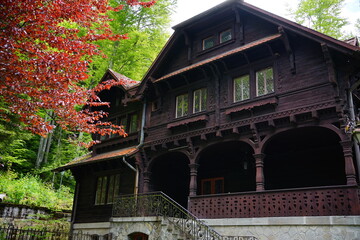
(208, 43)
(225, 36)
(199, 101)
(134, 123)
(264, 82)
(241, 88)
(123, 122)
(104, 137)
(107, 189)
(212, 186)
(181, 105)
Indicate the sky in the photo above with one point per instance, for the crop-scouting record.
(189, 8)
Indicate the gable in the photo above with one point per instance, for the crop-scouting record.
(246, 23)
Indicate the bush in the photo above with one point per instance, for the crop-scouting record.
(31, 190)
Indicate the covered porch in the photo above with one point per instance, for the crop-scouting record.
(297, 172)
(316, 201)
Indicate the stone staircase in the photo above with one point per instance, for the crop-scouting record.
(176, 222)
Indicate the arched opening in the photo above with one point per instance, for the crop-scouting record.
(171, 175)
(226, 167)
(304, 157)
(138, 236)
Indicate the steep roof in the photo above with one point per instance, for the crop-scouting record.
(346, 47)
(127, 83)
(88, 158)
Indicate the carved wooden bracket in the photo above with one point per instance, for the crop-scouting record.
(189, 45)
(288, 48)
(239, 25)
(329, 63)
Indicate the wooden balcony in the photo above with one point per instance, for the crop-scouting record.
(320, 201)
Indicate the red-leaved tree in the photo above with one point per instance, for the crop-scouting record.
(45, 48)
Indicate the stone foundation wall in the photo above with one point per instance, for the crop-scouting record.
(155, 227)
(291, 228)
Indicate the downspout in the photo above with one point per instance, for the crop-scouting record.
(74, 209)
(141, 143)
(353, 119)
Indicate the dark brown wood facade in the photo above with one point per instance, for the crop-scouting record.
(281, 151)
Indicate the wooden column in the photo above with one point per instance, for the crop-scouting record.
(193, 179)
(349, 162)
(147, 182)
(259, 163)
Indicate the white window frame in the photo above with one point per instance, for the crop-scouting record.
(202, 104)
(177, 105)
(242, 88)
(265, 82)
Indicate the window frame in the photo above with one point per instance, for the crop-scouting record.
(220, 34)
(266, 92)
(130, 125)
(212, 185)
(124, 120)
(203, 105)
(203, 47)
(104, 189)
(234, 90)
(183, 114)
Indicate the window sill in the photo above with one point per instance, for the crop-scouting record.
(197, 118)
(241, 106)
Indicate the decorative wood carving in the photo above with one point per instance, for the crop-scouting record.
(325, 201)
(329, 64)
(349, 163)
(259, 163)
(288, 48)
(248, 121)
(193, 179)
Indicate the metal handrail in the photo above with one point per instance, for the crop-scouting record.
(159, 204)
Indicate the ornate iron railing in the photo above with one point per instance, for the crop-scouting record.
(159, 204)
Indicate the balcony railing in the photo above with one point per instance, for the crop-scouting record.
(320, 201)
(159, 204)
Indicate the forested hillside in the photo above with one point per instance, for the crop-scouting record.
(27, 159)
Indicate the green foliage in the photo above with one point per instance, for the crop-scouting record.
(17, 146)
(31, 190)
(147, 32)
(22, 152)
(323, 16)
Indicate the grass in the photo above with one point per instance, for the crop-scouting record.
(31, 190)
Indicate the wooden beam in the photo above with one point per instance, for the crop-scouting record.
(203, 137)
(254, 132)
(271, 123)
(288, 48)
(329, 63)
(315, 114)
(188, 43)
(235, 130)
(153, 148)
(292, 119)
(239, 25)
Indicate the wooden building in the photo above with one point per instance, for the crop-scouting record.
(240, 120)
